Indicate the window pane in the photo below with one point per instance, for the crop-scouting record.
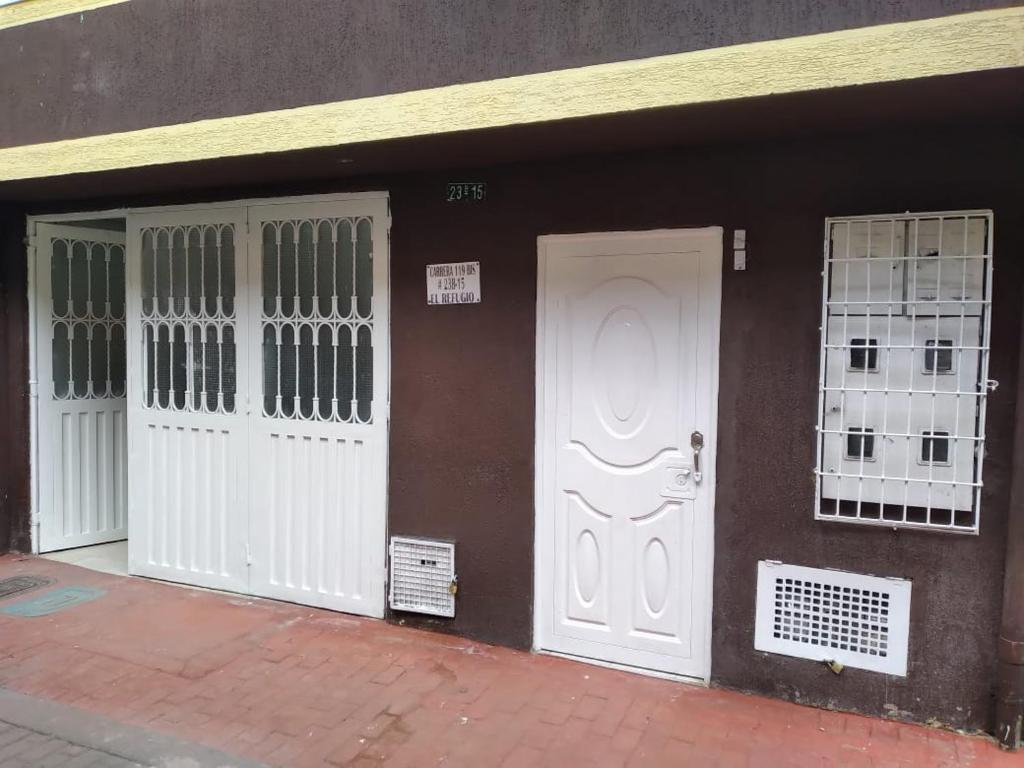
(938, 356)
(61, 355)
(864, 354)
(860, 443)
(935, 447)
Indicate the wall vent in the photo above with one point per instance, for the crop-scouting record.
(824, 615)
(422, 576)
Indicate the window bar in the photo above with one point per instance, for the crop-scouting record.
(220, 291)
(108, 328)
(170, 292)
(973, 256)
(335, 416)
(147, 388)
(88, 280)
(278, 293)
(156, 292)
(864, 399)
(826, 276)
(315, 310)
(925, 346)
(960, 371)
(202, 290)
(334, 285)
(353, 309)
(219, 335)
(108, 318)
(296, 226)
(897, 434)
(912, 303)
(71, 360)
(842, 375)
(354, 414)
(204, 340)
(186, 309)
(154, 343)
(68, 259)
(887, 366)
(190, 364)
(314, 329)
(106, 282)
(938, 481)
(983, 387)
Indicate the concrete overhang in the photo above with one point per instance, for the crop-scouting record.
(959, 69)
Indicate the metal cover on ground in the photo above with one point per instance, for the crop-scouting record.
(15, 585)
(52, 602)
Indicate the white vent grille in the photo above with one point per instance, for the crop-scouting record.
(822, 615)
(422, 576)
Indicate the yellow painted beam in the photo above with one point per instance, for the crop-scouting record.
(28, 11)
(945, 46)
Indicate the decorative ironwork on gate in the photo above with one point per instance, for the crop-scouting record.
(188, 317)
(88, 319)
(317, 319)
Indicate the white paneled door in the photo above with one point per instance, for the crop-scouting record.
(627, 377)
(80, 322)
(258, 399)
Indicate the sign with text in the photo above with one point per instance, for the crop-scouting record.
(453, 283)
(465, 191)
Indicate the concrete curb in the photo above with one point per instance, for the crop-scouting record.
(129, 742)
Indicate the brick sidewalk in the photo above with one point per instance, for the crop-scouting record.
(295, 686)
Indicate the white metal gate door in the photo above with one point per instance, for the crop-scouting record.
(188, 430)
(627, 366)
(80, 335)
(319, 427)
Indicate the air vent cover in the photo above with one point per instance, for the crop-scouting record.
(823, 615)
(422, 576)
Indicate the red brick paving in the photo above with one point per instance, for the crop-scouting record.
(296, 686)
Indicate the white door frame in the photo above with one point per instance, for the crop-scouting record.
(115, 213)
(710, 290)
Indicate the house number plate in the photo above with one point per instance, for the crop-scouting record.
(465, 191)
(457, 283)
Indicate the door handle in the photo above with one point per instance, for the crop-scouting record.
(696, 443)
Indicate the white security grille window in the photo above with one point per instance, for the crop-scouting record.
(188, 317)
(87, 317)
(318, 320)
(904, 369)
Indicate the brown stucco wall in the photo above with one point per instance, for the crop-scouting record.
(462, 436)
(14, 403)
(157, 62)
(462, 443)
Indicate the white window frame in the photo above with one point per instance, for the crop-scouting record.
(910, 308)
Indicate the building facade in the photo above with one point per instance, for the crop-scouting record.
(695, 328)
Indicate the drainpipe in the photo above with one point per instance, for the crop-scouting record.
(1010, 675)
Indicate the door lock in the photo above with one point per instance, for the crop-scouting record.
(696, 443)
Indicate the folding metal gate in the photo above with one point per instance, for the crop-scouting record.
(258, 374)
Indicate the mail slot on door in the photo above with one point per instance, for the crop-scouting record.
(678, 482)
